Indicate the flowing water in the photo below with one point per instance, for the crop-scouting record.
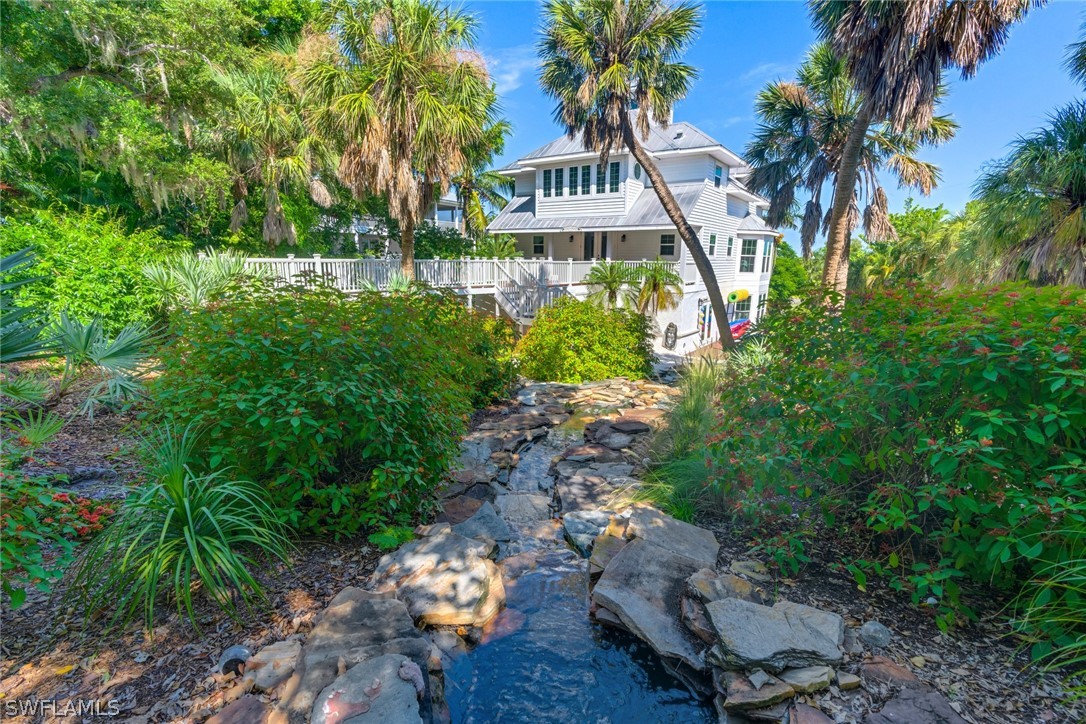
(544, 660)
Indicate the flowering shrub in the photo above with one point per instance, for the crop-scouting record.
(348, 410)
(955, 422)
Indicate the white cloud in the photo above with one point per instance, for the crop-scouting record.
(765, 72)
(509, 66)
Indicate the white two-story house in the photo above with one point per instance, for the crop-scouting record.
(566, 206)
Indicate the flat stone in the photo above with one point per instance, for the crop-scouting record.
(249, 709)
(674, 535)
(695, 619)
(742, 694)
(775, 714)
(847, 681)
(801, 713)
(592, 453)
(642, 584)
(524, 421)
(916, 706)
(584, 493)
(875, 635)
(643, 414)
(751, 569)
(808, 678)
(778, 637)
(459, 509)
(273, 664)
(604, 549)
(380, 690)
(611, 471)
(444, 580)
(523, 508)
(356, 626)
(484, 525)
(607, 617)
(630, 426)
(883, 669)
(708, 586)
(614, 439)
(476, 447)
(505, 459)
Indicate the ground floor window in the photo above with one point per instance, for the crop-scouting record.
(712, 244)
(537, 244)
(746, 256)
(667, 245)
(742, 309)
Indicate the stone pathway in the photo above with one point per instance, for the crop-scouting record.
(366, 659)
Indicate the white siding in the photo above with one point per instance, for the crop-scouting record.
(711, 212)
(605, 204)
(525, 184)
(738, 207)
(679, 169)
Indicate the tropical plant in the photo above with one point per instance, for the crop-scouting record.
(119, 362)
(577, 341)
(600, 59)
(191, 280)
(1076, 57)
(790, 280)
(21, 328)
(612, 284)
(180, 525)
(797, 147)
(406, 96)
(497, 246)
(477, 186)
(1036, 203)
(267, 141)
(661, 287)
(896, 54)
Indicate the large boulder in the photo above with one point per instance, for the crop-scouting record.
(444, 580)
(674, 535)
(356, 626)
(642, 585)
(382, 690)
(774, 638)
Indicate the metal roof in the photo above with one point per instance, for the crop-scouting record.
(753, 222)
(520, 214)
(678, 136)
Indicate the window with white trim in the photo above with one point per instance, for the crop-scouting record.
(601, 179)
(614, 177)
(761, 305)
(731, 243)
(747, 254)
(767, 255)
(718, 176)
(742, 309)
(586, 180)
(667, 245)
(573, 181)
(712, 244)
(546, 183)
(559, 181)
(537, 244)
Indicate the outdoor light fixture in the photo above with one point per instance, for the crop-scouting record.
(623, 238)
(571, 238)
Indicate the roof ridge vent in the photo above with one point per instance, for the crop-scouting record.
(678, 135)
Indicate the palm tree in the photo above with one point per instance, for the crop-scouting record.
(896, 53)
(477, 186)
(268, 142)
(1035, 201)
(661, 287)
(501, 246)
(798, 145)
(406, 96)
(1076, 57)
(612, 285)
(603, 57)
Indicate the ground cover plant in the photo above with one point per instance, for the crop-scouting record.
(952, 422)
(347, 410)
(579, 341)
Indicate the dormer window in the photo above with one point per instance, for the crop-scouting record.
(601, 179)
(573, 180)
(586, 180)
(559, 181)
(547, 183)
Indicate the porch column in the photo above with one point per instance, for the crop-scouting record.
(683, 254)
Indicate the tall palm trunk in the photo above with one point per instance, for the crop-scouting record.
(686, 231)
(843, 190)
(407, 247)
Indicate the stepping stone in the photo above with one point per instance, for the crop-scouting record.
(582, 493)
(774, 638)
(642, 585)
(609, 437)
(592, 453)
(381, 690)
(674, 535)
(524, 508)
(630, 426)
(484, 525)
(444, 580)
(706, 585)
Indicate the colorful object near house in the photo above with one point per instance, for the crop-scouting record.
(738, 295)
(739, 327)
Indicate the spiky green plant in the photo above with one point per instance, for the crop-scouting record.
(184, 531)
(612, 284)
(190, 281)
(34, 428)
(1052, 614)
(119, 363)
(21, 328)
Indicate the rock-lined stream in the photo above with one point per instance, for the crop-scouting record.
(543, 659)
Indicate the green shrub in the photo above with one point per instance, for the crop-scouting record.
(577, 341)
(179, 526)
(954, 422)
(89, 266)
(346, 409)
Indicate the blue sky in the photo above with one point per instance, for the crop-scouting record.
(744, 45)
